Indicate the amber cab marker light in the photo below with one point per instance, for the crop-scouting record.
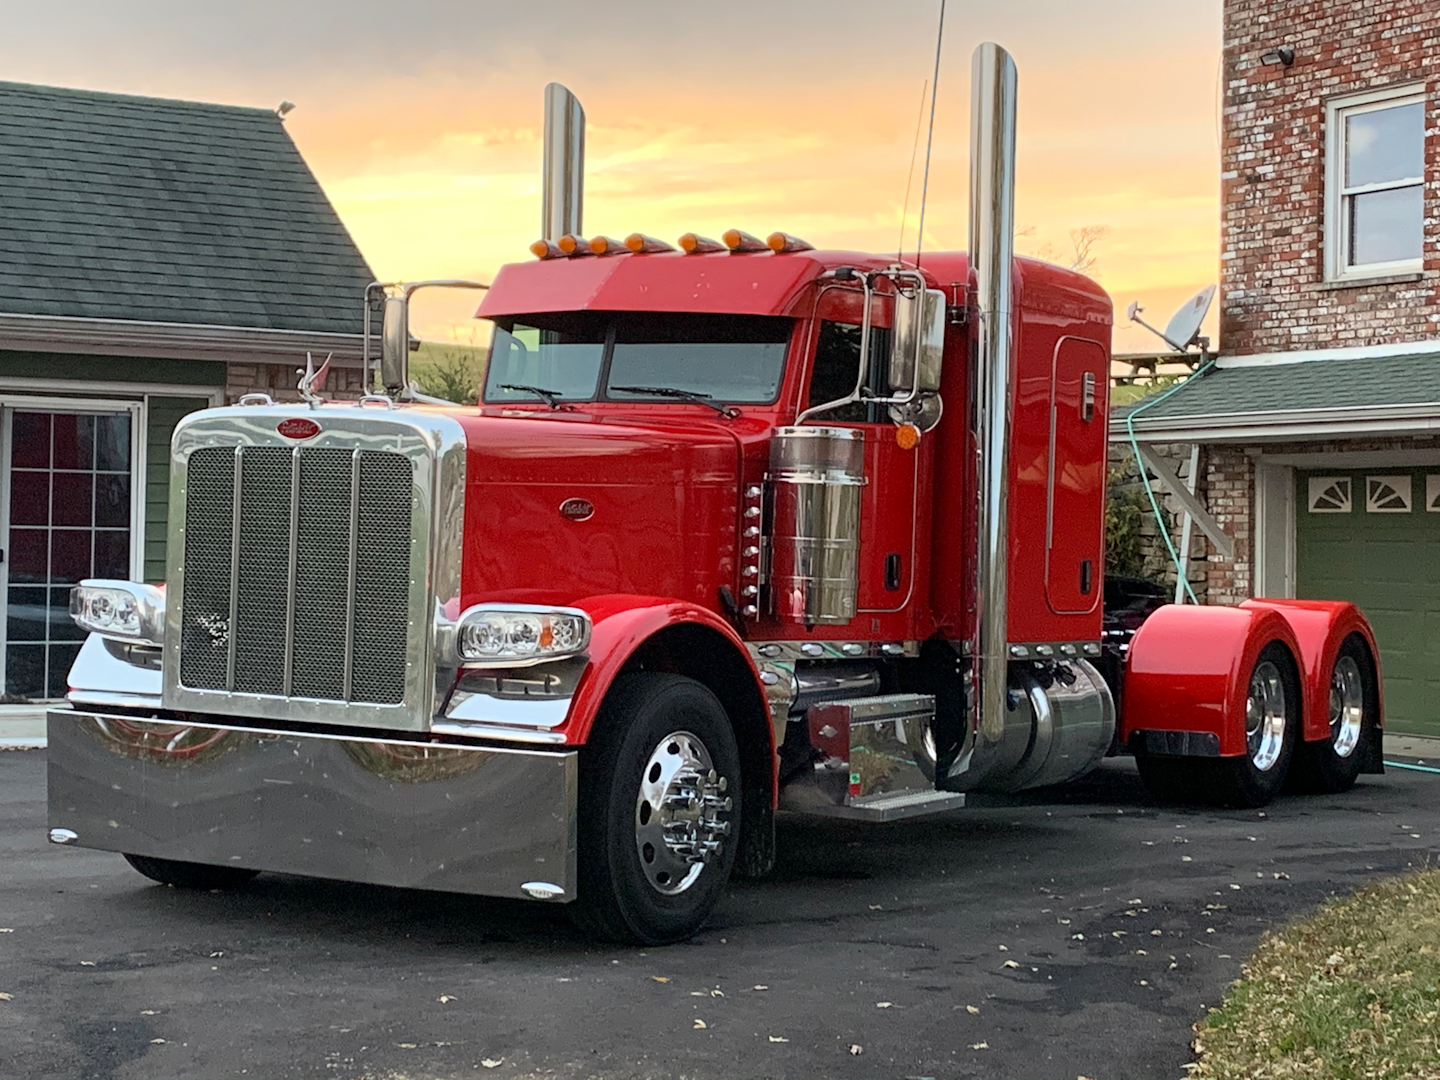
(907, 436)
(646, 245)
(544, 249)
(740, 242)
(782, 242)
(695, 244)
(571, 244)
(608, 245)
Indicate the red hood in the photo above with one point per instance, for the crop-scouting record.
(664, 498)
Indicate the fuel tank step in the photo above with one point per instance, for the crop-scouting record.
(865, 764)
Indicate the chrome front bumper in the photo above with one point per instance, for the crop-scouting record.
(480, 820)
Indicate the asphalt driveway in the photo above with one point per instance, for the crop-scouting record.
(1079, 934)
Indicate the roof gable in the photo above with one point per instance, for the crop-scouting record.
(120, 207)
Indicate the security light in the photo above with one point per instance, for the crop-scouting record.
(1282, 55)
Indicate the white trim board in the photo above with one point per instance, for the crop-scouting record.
(1352, 352)
(215, 394)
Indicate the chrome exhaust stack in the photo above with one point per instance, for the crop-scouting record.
(993, 89)
(563, 178)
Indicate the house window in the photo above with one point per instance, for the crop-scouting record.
(1375, 183)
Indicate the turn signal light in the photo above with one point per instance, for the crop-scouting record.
(544, 249)
(647, 245)
(570, 244)
(694, 244)
(608, 245)
(738, 241)
(782, 242)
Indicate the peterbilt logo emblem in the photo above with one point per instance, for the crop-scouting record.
(577, 509)
(297, 427)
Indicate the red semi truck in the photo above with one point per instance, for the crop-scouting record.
(736, 528)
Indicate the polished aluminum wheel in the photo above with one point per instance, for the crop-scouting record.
(1265, 716)
(1347, 706)
(678, 826)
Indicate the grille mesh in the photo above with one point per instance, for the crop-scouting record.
(317, 610)
(209, 518)
(384, 520)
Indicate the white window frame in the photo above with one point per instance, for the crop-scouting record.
(1337, 205)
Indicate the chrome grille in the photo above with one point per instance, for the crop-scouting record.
(301, 587)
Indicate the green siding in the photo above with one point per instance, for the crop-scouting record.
(1389, 565)
(165, 413)
(19, 364)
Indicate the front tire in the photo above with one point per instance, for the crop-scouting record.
(188, 875)
(1330, 765)
(1272, 723)
(659, 810)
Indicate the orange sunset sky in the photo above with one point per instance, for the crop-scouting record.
(423, 120)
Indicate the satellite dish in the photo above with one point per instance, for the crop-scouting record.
(1184, 325)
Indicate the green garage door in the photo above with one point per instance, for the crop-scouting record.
(1374, 538)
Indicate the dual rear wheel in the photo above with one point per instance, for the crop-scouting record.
(1274, 749)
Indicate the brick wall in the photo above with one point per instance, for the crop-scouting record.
(1274, 293)
(279, 381)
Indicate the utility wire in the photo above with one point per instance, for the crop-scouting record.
(910, 176)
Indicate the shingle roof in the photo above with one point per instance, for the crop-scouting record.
(120, 207)
(1235, 392)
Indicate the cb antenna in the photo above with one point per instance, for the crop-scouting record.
(910, 176)
(930, 135)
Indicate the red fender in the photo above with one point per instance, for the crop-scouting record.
(1321, 627)
(1188, 669)
(620, 624)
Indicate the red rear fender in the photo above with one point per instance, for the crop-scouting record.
(1189, 668)
(1321, 627)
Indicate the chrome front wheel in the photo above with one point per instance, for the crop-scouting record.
(678, 813)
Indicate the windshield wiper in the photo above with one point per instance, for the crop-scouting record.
(552, 397)
(689, 395)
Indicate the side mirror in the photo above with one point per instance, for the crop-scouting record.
(919, 338)
(395, 344)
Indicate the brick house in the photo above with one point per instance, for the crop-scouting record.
(1320, 423)
(156, 257)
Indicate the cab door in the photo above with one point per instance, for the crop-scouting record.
(890, 503)
(1075, 501)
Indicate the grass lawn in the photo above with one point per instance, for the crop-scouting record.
(1351, 992)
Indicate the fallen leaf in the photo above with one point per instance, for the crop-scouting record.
(7, 929)
(445, 999)
(213, 955)
(972, 1010)
(883, 1004)
(856, 1049)
(778, 1038)
(717, 993)
(87, 963)
(660, 978)
(1010, 964)
(1004, 948)
(1156, 933)
(407, 1046)
(698, 993)
(699, 1024)
(149, 1012)
(760, 987)
(492, 1063)
(156, 1042)
(875, 907)
(6, 997)
(980, 1046)
(1077, 937)
(1186, 858)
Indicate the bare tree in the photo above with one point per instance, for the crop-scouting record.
(1084, 240)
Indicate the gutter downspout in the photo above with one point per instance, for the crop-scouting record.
(993, 90)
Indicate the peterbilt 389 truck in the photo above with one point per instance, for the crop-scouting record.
(737, 528)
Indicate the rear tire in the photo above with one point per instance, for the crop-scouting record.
(1272, 727)
(659, 811)
(188, 875)
(1330, 765)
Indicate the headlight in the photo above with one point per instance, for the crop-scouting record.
(127, 610)
(519, 632)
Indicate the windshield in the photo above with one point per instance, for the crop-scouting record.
(730, 359)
